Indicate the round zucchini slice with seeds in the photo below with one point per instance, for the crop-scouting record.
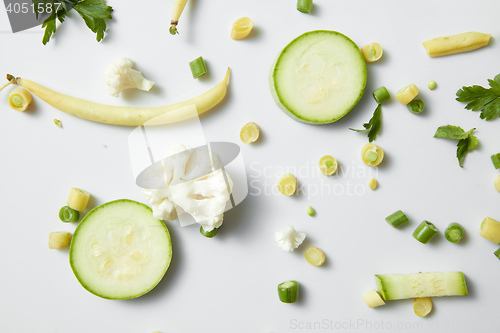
(119, 250)
(319, 77)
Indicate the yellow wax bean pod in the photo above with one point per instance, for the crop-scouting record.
(78, 199)
(464, 42)
(372, 155)
(241, 28)
(59, 239)
(406, 94)
(19, 99)
(287, 184)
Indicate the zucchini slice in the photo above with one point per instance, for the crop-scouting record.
(319, 77)
(120, 250)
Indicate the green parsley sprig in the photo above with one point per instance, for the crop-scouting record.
(466, 143)
(93, 12)
(481, 99)
(373, 125)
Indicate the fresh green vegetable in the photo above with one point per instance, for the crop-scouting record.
(490, 230)
(431, 85)
(59, 239)
(467, 142)
(416, 106)
(176, 14)
(424, 232)
(319, 77)
(372, 299)
(315, 256)
(209, 234)
(496, 183)
(198, 67)
(397, 219)
(495, 159)
(497, 253)
(121, 75)
(119, 250)
(310, 211)
(422, 306)
(93, 12)
(373, 125)
(68, 214)
(454, 232)
(403, 286)
(481, 99)
(304, 6)
(288, 291)
(381, 95)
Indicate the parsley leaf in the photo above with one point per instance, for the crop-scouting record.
(93, 12)
(481, 99)
(466, 143)
(373, 125)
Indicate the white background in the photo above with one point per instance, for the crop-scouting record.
(228, 284)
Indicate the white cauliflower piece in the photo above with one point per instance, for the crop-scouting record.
(289, 239)
(121, 75)
(161, 203)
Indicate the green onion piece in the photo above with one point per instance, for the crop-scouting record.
(431, 84)
(310, 211)
(496, 160)
(68, 214)
(381, 95)
(424, 232)
(397, 219)
(497, 253)
(304, 6)
(371, 156)
(454, 233)
(209, 234)
(416, 106)
(198, 67)
(288, 291)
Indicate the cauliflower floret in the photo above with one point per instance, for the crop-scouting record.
(161, 203)
(121, 75)
(289, 239)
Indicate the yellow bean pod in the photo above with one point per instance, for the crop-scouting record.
(59, 239)
(287, 184)
(20, 99)
(372, 184)
(422, 306)
(78, 199)
(372, 155)
(497, 183)
(315, 256)
(406, 94)
(241, 28)
(328, 165)
(250, 133)
(464, 42)
(372, 52)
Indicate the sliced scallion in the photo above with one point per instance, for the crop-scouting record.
(416, 106)
(288, 291)
(381, 95)
(198, 67)
(454, 233)
(424, 232)
(397, 219)
(304, 6)
(68, 214)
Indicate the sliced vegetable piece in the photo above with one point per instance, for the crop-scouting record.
(497, 253)
(209, 234)
(119, 250)
(454, 232)
(68, 214)
(328, 165)
(422, 306)
(403, 286)
(287, 184)
(198, 67)
(425, 232)
(315, 256)
(310, 211)
(250, 133)
(78, 199)
(241, 28)
(58, 123)
(304, 6)
(464, 42)
(431, 85)
(19, 99)
(406, 94)
(372, 52)
(319, 77)
(490, 229)
(416, 106)
(176, 14)
(372, 155)
(372, 184)
(372, 299)
(497, 183)
(397, 219)
(495, 159)
(289, 239)
(381, 95)
(288, 291)
(59, 240)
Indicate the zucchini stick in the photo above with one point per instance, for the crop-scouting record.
(176, 14)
